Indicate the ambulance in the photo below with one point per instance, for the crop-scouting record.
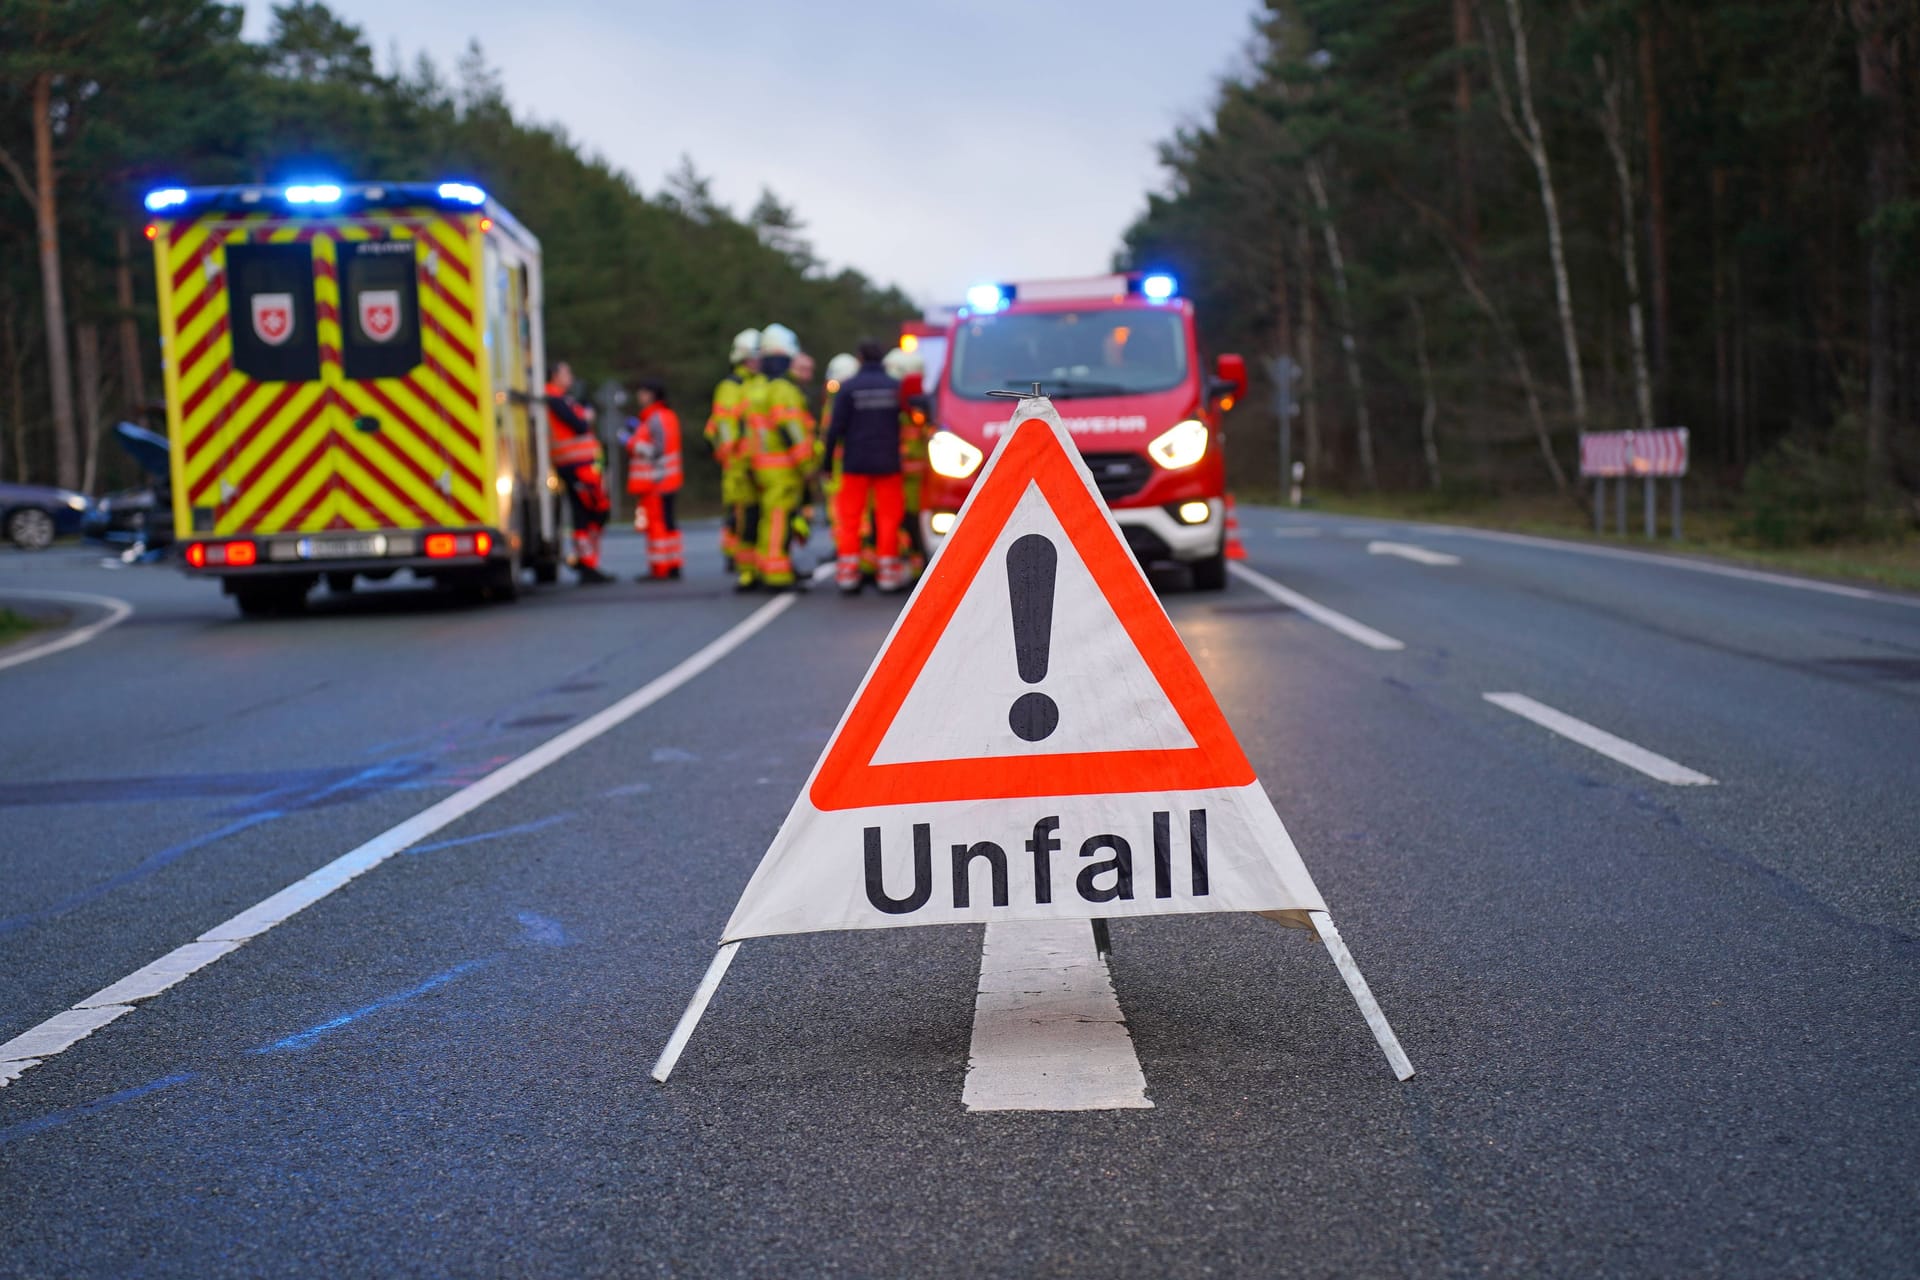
(354, 383)
(1119, 357)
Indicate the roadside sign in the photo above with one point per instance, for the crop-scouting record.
(1033, 742)
(1606, 454)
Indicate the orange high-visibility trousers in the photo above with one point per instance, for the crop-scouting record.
(889, 504)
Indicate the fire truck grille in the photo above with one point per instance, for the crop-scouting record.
(1119, 475)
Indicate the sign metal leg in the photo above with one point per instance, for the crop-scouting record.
(1647, 504)
(1676, 508)
(1362, 994)
(691, 1018)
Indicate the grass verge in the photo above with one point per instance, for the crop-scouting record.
(14, 627)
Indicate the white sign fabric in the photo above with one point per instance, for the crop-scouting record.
(940, 800)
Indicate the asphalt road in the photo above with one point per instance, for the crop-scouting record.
(1660, 1029)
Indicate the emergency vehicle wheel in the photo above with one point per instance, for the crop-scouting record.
(503, 579)
(1210, 574)
(339, 584)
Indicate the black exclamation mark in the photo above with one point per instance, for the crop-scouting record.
(1030, 564)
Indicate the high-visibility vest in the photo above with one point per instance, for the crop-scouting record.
(727, 422)
(568, 446)
(654, 452)
(781, 440)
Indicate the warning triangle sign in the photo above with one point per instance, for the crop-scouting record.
(1033, 741)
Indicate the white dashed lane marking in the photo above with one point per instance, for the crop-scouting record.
(1651, 763)
(1047, 1030)
(1407, 551)
(1358, 632)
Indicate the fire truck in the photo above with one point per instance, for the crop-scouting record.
(1119, 357)
(354, 388)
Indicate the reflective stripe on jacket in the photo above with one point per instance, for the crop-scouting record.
(571, 441)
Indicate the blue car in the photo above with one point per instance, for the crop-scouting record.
(33, 515)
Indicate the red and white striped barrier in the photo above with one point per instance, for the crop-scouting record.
(1634, 453)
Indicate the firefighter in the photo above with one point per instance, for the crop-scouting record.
(866, 426)
(575, 453)
(727, 434)
(782, 454)
(653, 477)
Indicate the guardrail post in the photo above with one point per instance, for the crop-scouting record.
(1676, 508)
(1599, 505)
(1620, 506)
(1647, 502)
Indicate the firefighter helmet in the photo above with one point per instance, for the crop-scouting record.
(899, 364)
(840, 368)
(778, 340)
(746, 345)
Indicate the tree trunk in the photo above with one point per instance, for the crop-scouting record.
(1343, 316)
(1879, 59)
(1534, 142)
(1722, 358)
(1613, 128)
(86, 342)
(66, 450)
(1463, 130)
(1429, 404)
(17, 407)
(133, 382)
(1309, 375)
(1656, 206)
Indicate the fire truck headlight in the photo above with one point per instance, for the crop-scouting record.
(942, 522)
(1181, 446)
(953, 457)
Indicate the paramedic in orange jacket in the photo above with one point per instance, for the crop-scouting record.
(653, 477)
(575, 453)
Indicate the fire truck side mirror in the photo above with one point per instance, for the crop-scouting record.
(1232, 370)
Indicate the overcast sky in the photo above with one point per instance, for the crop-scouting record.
(929, 143)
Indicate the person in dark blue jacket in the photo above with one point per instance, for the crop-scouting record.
(866, 427)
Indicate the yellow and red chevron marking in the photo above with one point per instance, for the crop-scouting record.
(274, 457)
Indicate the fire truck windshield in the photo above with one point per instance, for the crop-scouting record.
(1111, 351)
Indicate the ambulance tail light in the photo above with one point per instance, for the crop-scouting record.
(450, 546)
(1180, 446)
(231, 555)
(953, 457)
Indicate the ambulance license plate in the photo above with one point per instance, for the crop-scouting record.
(343, 548)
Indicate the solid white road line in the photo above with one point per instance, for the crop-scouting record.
(117, 612)
(1047, 1029)
(1680, 562)
(67, 1028)
(1295, 531)
(1407, 551)
(1326, 617)
(1651, 763)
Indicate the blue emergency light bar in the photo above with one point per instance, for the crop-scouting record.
(1158, 288)
(313, 193)
(165, 198)
(463, 193)
(987, 297)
